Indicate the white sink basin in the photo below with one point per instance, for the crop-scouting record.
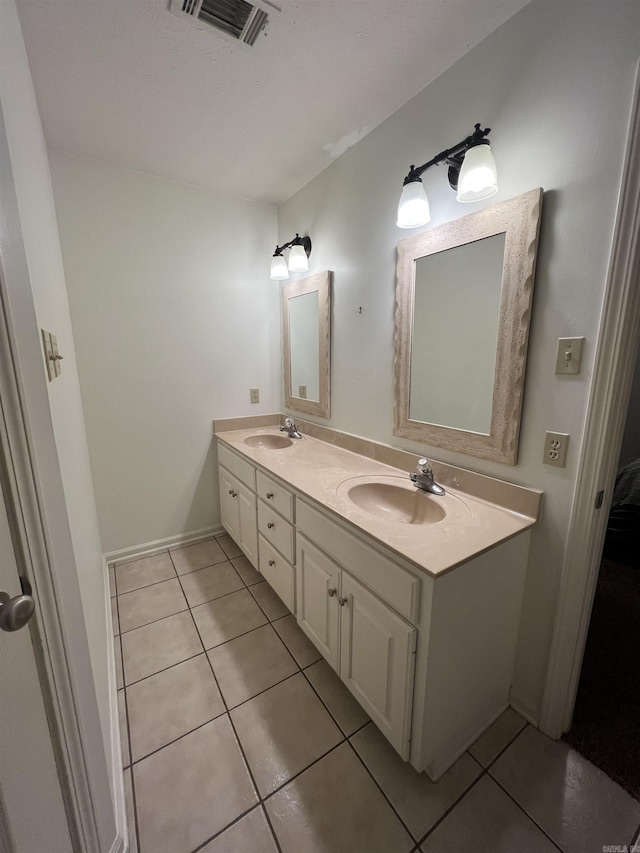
(406, 505)
(268, 441)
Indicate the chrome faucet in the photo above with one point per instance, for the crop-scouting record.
(290, 428)
(423, 478)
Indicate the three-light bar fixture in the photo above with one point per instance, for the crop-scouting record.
(472, 173)
(300, 249)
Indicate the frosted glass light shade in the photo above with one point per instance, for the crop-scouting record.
(413, 209)
(478, 177)
(298, 261)
(279, 269)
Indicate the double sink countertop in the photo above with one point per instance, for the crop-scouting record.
(435, 534)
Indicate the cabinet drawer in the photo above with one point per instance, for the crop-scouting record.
(275, 495)
(244, 471)
(393, 584)
(276, 530)
(278, 572)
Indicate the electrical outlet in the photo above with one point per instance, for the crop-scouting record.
(555, 449)
(254, 395)
(302, 392)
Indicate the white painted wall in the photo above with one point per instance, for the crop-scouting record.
(555, 85)
(175, 319)
(63, 471)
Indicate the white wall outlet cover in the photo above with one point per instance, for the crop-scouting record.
(254, 395)
(555, 449)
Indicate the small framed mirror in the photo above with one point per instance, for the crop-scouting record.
(306, 331)
(463, 304)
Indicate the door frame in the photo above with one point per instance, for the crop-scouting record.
(605, 421)
(39, 522)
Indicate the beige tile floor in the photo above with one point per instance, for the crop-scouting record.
(238, 738)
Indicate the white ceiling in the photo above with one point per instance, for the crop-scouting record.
(126, 82)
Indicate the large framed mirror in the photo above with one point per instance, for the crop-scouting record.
(463, 305)
(306, 331)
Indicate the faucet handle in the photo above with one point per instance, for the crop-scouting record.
(425, 467)
(289, 423)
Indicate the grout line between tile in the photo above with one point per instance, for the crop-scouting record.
(218, 597)
(505, 748)
(309, 682)
(164, 668)
(145, 585)
(270, 825)
(524, 811)
(379, 787)
(482, 773)
(191, 571)
(152, 622)
(133, 788)
(176, 739)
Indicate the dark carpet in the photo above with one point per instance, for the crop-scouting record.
(606, 723)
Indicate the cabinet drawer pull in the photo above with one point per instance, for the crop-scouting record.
(342, 601)
(270, 525)
(331, 592)
(272, 562)
(269, 495)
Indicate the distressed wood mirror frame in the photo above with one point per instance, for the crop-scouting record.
(519, 220)
(320, 282)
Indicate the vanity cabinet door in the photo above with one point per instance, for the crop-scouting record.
(228, 503)
(238, 513)
(318, 588)
(248, 523)
(377, 658)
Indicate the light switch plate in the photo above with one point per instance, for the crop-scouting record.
(569, 356)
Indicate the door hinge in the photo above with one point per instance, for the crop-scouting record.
(599, 499)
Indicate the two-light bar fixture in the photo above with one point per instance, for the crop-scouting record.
(300, 249)
(472, 173)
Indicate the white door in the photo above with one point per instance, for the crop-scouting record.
(317, 589)
(32, 813)
(377, 661)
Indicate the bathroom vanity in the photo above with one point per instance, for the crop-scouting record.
(413, 599)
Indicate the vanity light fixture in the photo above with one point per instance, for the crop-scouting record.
(472, 173)
(298, 258)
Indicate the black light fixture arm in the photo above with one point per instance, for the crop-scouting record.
(453, 157)
(305, 242)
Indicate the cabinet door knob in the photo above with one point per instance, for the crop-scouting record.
(231, 492)
(342, 601)
(272, 562)
(269, 495)
(331, 592)
(270, 525)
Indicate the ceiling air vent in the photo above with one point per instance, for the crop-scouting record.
(235, 19)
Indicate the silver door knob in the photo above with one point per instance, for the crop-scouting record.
(272, 562)
(342, 601)
(270, 525)
(15, 612)
(331, 592)
(269, 495)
